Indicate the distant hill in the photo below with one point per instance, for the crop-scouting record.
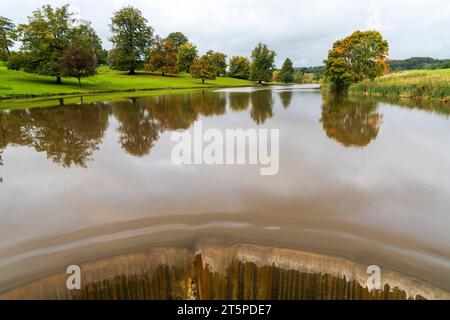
(317, 71)
(414, 63)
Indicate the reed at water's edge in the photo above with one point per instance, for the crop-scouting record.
(416, 84)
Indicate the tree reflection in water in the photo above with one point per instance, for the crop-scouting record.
(70, 135)
(239, 101)
(141, 121)
(286, 97)
(351, 122)
(210, 103)
(262, 106)
(137, 128)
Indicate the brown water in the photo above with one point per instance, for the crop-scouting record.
(361, 182)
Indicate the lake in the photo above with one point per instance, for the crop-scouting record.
(361, 182)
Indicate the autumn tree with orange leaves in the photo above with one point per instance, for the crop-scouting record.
(163, 57)
(362, 55)
(203, 68)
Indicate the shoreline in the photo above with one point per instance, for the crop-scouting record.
(33, 101)
(101, 92)
(108, 95)
(356, 93)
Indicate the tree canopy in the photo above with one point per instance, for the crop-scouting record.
(132, 37)
(362, 55)
(45, 39)
(78, 62)
(85, 37)
(178, 39)
(219, 60)
(262, 63)
(203, 68)
(276, 76)
(7, 36)
(239, 67)
(287, 71)
(163, 57)
(186, 55)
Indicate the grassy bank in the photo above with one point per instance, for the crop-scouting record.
(18, 84)
(427, 84)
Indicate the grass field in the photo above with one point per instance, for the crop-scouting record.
(428, 84)
(18, 84)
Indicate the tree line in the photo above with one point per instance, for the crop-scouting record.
(54, 43)
(421, 63)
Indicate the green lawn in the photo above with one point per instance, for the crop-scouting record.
(434, 84)
(14, 84)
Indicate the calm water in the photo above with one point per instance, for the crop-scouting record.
(361, 181)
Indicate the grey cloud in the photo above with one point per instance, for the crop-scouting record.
(301, 30)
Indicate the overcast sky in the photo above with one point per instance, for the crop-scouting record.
(301, 30)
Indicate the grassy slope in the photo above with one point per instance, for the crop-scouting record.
(21, 84)
(433, 84)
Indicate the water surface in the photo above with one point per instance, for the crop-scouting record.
(359, 179)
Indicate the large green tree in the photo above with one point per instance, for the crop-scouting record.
(287, 71)
(132, 37)
(239, 67)
(262, 63)
(7, 37)
(187, 53)
(362, 55)
(45, 39)
(178, 39)
(219, 60)
(85, 37)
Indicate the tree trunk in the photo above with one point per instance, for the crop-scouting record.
(132, 72)
(6, 45)
(58, 80)
(162, 73)
(203, 81)
(79, 82)
(260, 81)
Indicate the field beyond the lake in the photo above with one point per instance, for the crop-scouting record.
(18, 84)
(427, 84)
